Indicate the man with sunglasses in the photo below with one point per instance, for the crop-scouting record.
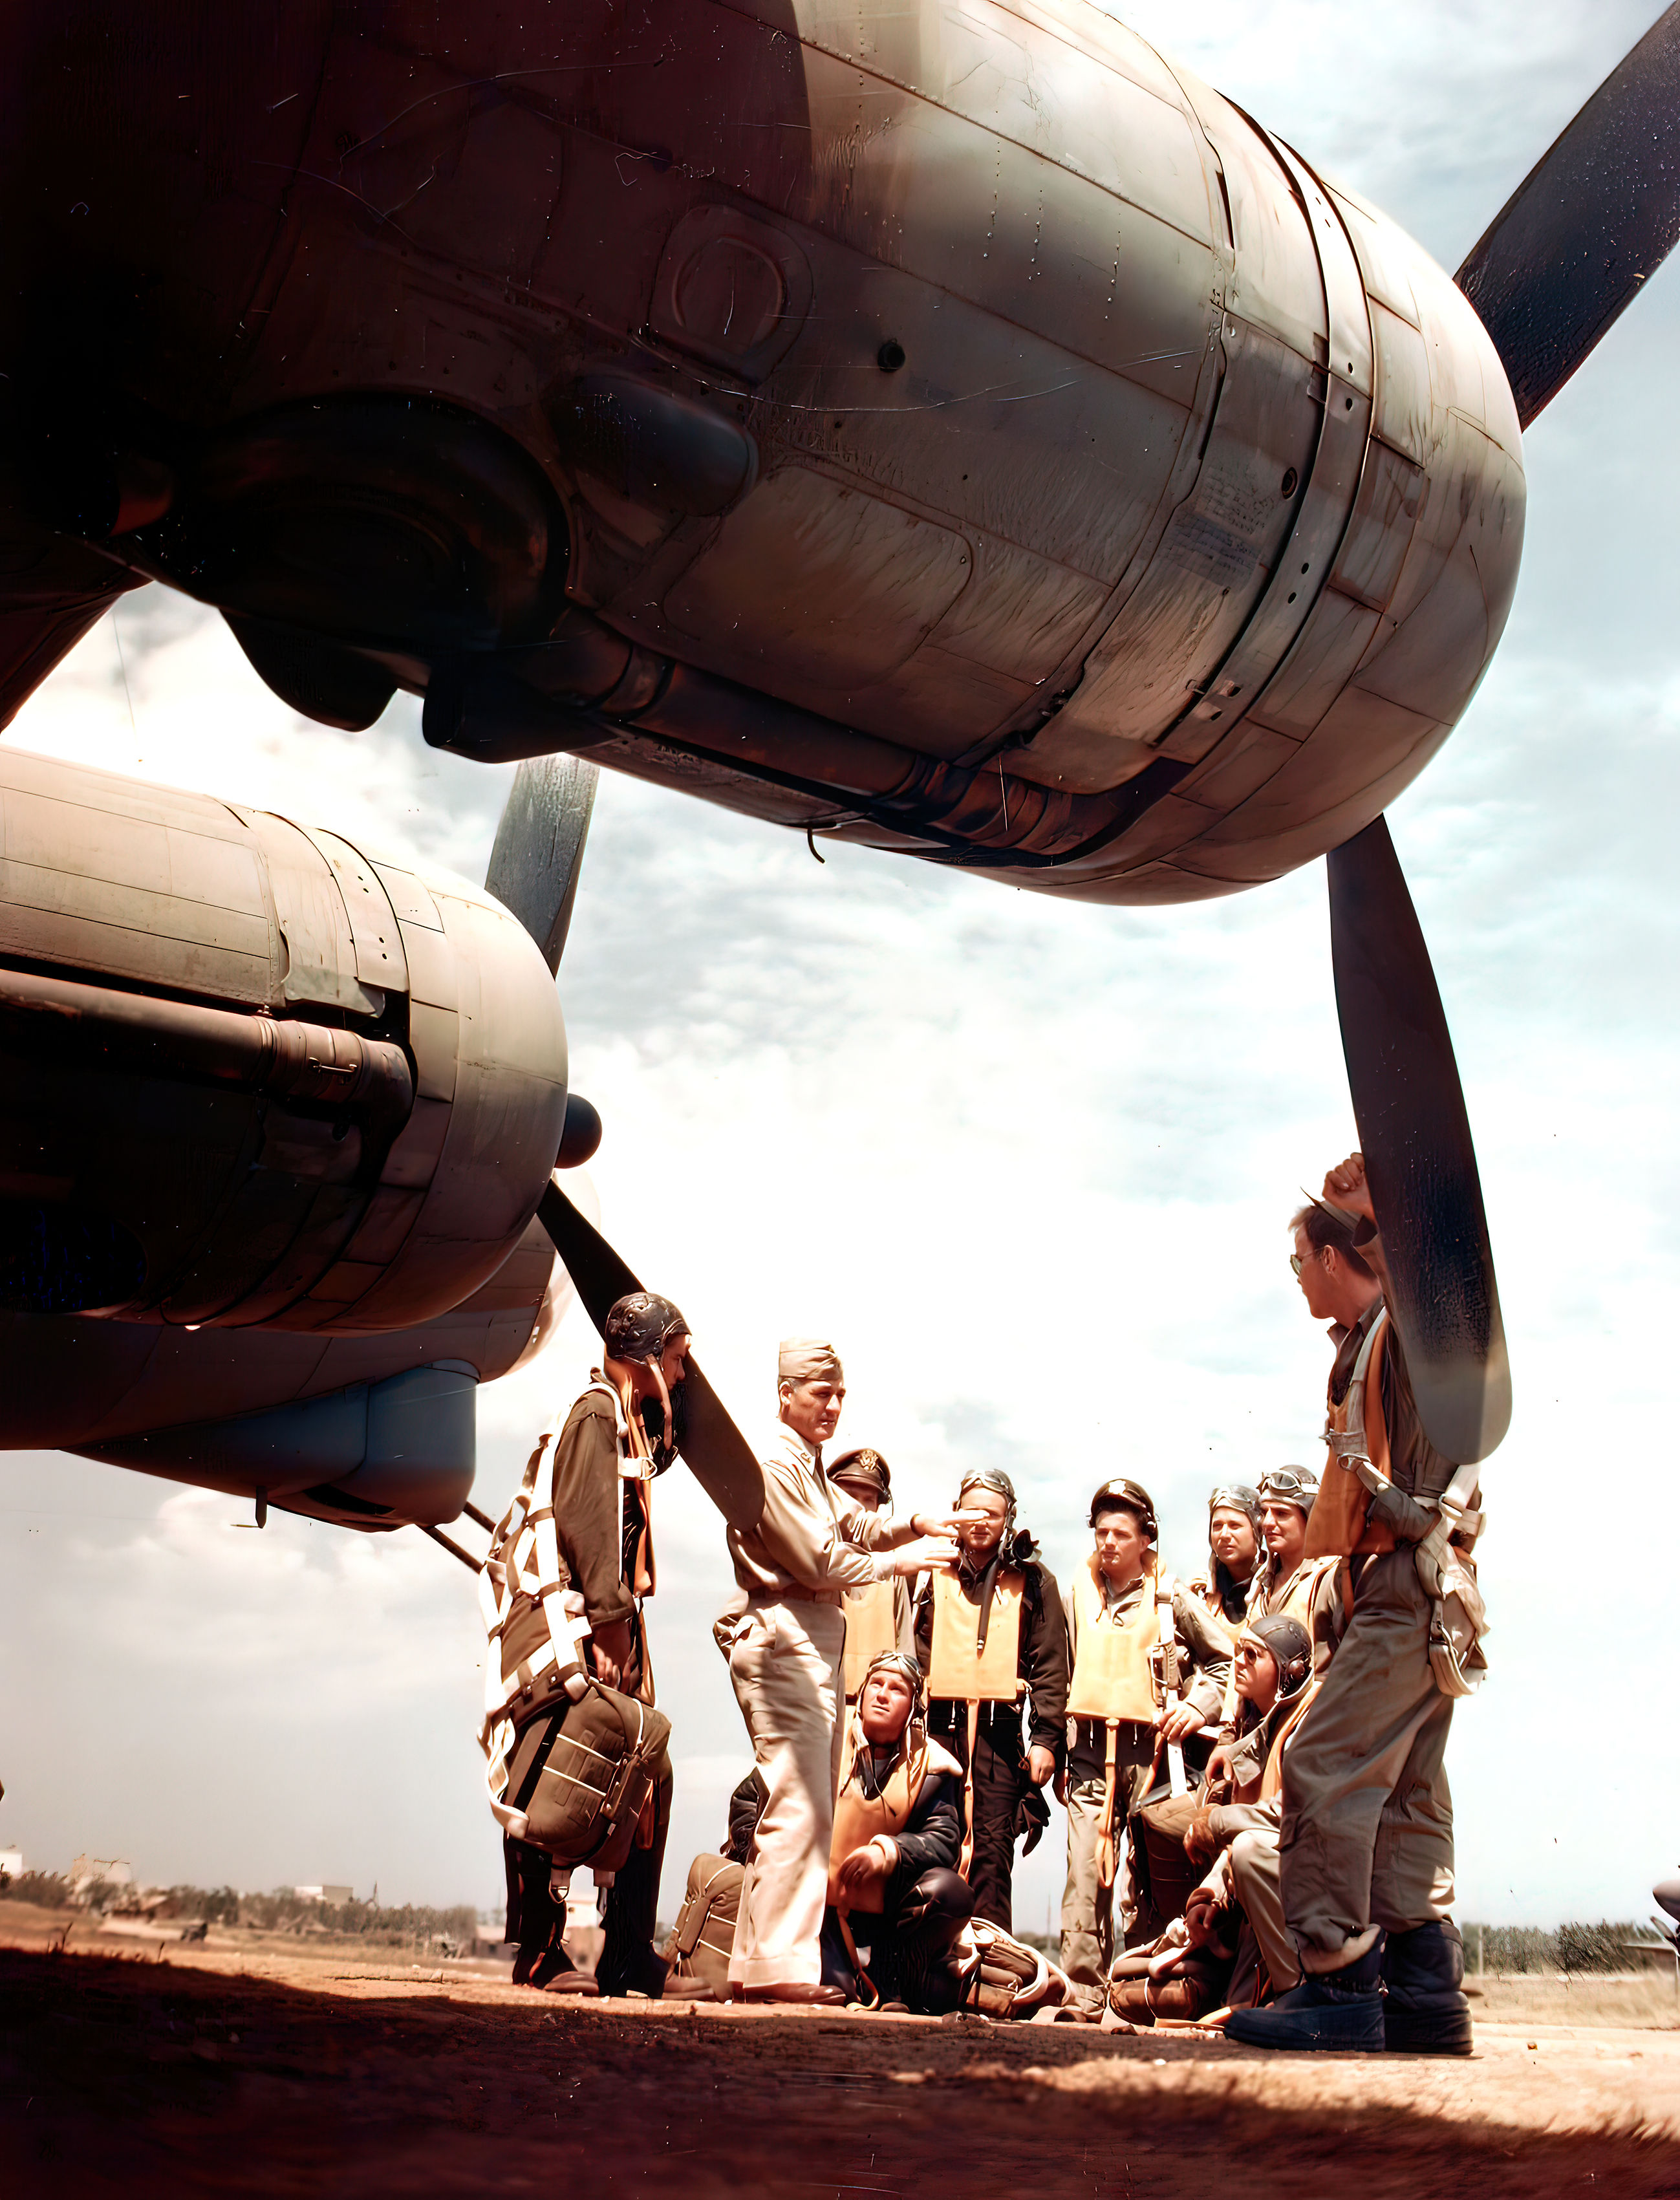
(1365, 1839)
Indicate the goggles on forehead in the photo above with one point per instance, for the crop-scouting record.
(906, 1668)
(1235, 1497)
(1289, 1482)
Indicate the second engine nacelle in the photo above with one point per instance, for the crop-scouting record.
(251, 1074)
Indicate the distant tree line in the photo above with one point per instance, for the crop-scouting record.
(282, 1911)
(1573, 1948)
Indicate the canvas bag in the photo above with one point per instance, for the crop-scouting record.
(579, 1777)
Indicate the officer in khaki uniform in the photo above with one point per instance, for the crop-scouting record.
(1124, 1611)
(880, 1615)
(785, 1637)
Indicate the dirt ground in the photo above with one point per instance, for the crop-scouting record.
(227, 2067)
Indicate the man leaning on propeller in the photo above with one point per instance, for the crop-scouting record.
(1367, 1836)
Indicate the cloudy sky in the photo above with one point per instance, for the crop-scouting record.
(1030, 1164)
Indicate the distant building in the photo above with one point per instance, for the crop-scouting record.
(583, 1909)
(332, 1897)
(11, 1862)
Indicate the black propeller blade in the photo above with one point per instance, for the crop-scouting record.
(716, 1452)
(538, 854)
(1419, 1158)
(534, 871)
(1587, 226)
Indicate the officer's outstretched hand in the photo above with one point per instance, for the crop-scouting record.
(942, 1524)
(916, 1558)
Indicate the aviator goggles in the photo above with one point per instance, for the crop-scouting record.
(1287, 1482)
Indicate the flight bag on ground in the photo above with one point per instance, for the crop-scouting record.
(704, 1932)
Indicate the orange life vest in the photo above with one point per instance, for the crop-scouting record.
(1113, 1679)
(1353, 1428)
(871, 1626)
(959, 1669)
(861, 1818)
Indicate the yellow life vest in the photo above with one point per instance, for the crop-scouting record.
(959, 1669)
(1113, 1679)
(1353, 1428)
(871, 1626)
(861, 1818)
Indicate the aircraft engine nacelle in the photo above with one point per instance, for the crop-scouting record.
(949, 426)
(250, 1075)
(369, 1430)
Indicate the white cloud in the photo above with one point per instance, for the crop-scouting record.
(1029, 1163)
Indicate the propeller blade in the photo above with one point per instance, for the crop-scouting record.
(1569, 250)
(539, 846)
(714, 1449)
(1419, 1158)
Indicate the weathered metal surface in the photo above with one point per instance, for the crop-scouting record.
(249, 1409)
(250, 1075)
(931, 375)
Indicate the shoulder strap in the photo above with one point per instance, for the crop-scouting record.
(1348, 1444)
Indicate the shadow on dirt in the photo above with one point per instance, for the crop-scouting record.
(131, 2076)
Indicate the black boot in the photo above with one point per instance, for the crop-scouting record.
(627, 1963)
(1425, 2011)
(839, 1970)
(1330, 2010)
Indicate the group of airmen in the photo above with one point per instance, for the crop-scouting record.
(1259, 1827)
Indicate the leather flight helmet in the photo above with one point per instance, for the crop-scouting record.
(640, 1325)
(1120, 1494)
(1290, 1485)
(1290, 1647)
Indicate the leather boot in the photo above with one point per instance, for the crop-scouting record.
(1424, 2009)
(1333, 2011)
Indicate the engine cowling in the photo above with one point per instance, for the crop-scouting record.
(370, 1431)
(251, 1074)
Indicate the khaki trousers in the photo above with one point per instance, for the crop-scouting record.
(1367, 1837)
(785, 1665)
(1087, 1908)
(1257, 1884)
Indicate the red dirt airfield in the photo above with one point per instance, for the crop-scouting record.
(218, 2069)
